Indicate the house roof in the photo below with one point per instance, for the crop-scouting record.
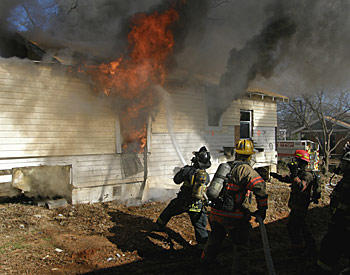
(328, 118)
(338, 122)
(14, 44)
(262, 92)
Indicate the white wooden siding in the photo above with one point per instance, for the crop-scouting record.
(90, 173)
(164, 162)
(264, 113)
(188, 112)
(264, 137)
(47, 112)
(190, 131)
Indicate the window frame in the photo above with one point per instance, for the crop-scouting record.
(119, 137)
(250, 122)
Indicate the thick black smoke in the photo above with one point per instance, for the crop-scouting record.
(73, 29)
(81, 30)
(316, 57)
(258, 57)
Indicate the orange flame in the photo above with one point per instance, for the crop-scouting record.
(150, 44)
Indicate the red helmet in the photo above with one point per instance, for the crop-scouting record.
(302, 154)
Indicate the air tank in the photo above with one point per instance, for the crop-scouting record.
(217, 182)
(199, 186)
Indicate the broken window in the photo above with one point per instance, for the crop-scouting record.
(246, 124)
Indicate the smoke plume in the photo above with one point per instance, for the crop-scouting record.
(283, 46)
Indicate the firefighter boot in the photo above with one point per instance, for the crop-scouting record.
(296, 249)
(159, 226)
(240, 262)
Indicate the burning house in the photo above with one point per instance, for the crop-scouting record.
(52, 146)
(119, 130)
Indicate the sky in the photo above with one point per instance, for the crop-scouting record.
(22, 21)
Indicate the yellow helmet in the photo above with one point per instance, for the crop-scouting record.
(245, 147)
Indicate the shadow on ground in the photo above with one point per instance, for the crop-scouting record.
(169, 253)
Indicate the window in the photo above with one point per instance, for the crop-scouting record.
(246, 124)
(214, 117)
(137, 144)
(214, 112)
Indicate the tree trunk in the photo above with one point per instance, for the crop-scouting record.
(326, 162)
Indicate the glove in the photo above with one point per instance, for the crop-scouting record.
(316, 197)
(186, 170)
(274, 175)
(293, 168)
(261, 213)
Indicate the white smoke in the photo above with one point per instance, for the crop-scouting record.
(167, 101)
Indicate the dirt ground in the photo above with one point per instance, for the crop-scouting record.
(106, 238)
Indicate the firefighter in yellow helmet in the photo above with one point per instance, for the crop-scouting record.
(229, 191)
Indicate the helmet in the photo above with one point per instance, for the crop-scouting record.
(303, 155)
(202, 158)
(244, 147)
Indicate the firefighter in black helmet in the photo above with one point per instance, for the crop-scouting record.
(191, 197)
(336, 242)
(229, 212)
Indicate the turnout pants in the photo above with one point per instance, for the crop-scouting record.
(198, 217)
(298, 229)
(335, 243)
(238, 231)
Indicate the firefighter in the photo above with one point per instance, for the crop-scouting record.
(229, 214)
(305, 187)
(336, 241)
(191, 198)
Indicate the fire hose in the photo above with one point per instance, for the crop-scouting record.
(266, 246)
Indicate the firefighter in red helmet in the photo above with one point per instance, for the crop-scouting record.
(305, 187)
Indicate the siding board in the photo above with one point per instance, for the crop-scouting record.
(264, 113)
(47, 112)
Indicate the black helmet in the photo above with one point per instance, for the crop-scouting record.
(202, 158)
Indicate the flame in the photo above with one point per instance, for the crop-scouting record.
(130, 78)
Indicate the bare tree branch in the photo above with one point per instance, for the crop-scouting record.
(29, 15)
(73, 6)
(324, 109)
